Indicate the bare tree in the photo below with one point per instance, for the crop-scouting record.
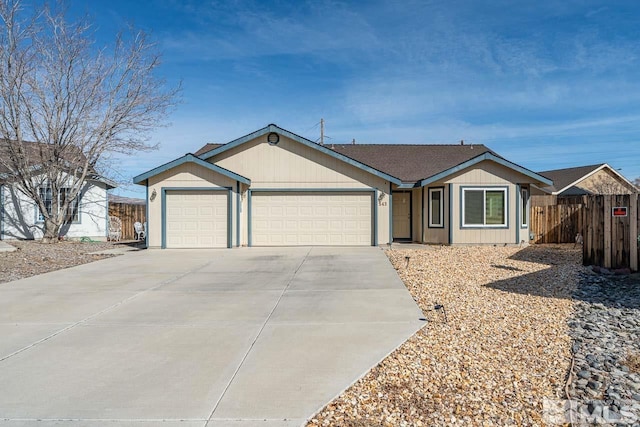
(66, 103)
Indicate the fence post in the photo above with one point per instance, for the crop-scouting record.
(633, 227)
(607, 231)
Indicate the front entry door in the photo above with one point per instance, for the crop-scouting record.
(402, 215)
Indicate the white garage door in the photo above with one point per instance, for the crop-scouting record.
(196, 219)
(311, 218)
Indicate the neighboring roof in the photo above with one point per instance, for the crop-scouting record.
(411, 163)
(206, 149)
(113, 198)
(35, 152)
(189, 158)
(322, 148)
(565, 179)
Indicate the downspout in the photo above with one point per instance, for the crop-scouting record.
(518, 214)
(146, 215)
(237, 214)
(451, 213)
(422, 217)
(390, 216)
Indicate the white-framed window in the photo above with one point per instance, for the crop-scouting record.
(524, 208)
(71, 215)
(484, 207)
(436, 207)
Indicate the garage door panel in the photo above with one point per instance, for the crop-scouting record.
(196, 219)
(306, 219)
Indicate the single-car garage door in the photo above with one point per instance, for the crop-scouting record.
(196, 219)
(311, 218)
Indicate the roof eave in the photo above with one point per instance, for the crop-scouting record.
(274, 128)
(142, 179)
(485, 156)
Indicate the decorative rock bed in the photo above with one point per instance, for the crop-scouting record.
(605, 327)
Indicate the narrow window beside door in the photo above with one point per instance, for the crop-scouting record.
(436, 207)
(524, 222)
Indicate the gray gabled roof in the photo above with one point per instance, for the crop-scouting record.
(406, 165)
(323, 149)
(411, 163)
(189, 158)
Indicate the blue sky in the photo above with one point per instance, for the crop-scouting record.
(546, 84)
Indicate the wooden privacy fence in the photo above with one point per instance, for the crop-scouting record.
(611, 235)
(556, 223)
(128, 214)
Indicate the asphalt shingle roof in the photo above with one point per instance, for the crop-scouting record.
(563, 177)
(409, 163)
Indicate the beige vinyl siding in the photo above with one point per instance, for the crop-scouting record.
(311, 218)
(435, 235)
(416, 215)
(488, 175)
(291, 165)
(187, 175)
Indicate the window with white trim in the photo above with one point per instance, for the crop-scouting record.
(71, 215)
(484, 207)
(436, 207)
(524, 211)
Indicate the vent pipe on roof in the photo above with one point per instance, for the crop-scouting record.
(353, 141)
(462, 142)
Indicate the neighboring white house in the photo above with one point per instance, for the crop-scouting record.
(20, 217)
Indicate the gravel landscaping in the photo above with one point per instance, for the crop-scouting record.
(33, 257)
(605, 380)
(505, 345)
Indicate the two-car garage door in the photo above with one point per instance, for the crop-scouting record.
(200, 218)
(311, 218)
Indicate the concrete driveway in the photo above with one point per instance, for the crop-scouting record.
(242, 337)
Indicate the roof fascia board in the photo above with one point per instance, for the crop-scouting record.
(407, 185)
(190, 158)
(543, 189)
(480, 158)
(274, 128)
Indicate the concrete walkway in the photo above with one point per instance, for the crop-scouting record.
(242, 337)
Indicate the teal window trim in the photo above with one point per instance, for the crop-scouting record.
(431, 190)
(485, 188)
(525, 200)
(163, 201)
(374, 202)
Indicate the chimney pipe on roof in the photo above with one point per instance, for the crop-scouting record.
(353, 142)
(462, 142)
